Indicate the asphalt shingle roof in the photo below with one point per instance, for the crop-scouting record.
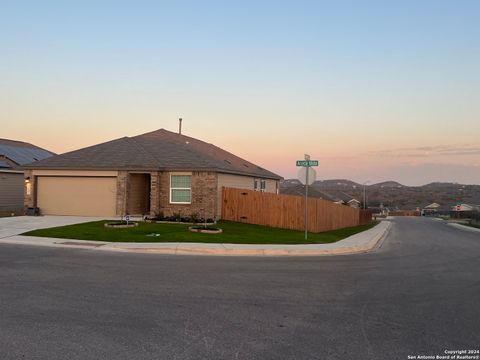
(157, 150)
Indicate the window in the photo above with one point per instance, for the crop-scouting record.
(180, 189)
(259, 185)
(263, 185)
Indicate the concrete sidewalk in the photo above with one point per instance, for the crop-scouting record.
(358, 243)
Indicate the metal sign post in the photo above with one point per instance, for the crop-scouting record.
(307, 176)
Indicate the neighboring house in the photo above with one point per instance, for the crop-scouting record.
(148, 174)
(465, 207)
(465, 211)
(431, 209)
(341, 197)
(354, 203)
(12, 155)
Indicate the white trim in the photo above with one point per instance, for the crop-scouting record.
(170, 188)
(7, 171)
(259, 182)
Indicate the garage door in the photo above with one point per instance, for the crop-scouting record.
(81, 196)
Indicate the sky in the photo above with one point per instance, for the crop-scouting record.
(374, 90)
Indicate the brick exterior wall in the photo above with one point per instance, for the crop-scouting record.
(154, 193)
(204, 196)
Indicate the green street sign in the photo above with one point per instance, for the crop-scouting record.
(307, 163)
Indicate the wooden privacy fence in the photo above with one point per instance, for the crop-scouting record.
(404, 213)
(287, 211)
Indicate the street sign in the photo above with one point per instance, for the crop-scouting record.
(307, 162)
(307, 176)
(302, 175)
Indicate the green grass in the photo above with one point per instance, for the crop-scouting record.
(233, 233)
(474, 225)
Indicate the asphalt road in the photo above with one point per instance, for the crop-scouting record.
(419, 294)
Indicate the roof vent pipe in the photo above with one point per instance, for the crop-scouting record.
(180, 126)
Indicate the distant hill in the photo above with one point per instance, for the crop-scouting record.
(388, 184)
(394, 194)
(336, 183)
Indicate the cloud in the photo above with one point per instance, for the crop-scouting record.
(420, 174)
(427, 151)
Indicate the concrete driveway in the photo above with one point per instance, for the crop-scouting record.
(16, 225)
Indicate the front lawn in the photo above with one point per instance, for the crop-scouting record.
(233, 233)
(473, 225)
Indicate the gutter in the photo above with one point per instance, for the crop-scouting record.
(152, 170)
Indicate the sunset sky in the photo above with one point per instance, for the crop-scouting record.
(375, 90)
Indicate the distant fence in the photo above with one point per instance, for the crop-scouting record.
(405, 213)
(476, 218)
(287, 211)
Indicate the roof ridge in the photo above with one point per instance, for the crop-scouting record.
(215, 147)
(15, 141)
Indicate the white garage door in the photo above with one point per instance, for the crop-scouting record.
(81, 196)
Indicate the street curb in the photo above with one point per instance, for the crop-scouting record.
(464, 227)
(366, 241)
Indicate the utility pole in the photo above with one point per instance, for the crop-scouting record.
(307, 158)
(365, 194)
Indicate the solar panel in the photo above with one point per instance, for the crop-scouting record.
(23, 155)
(4, 164)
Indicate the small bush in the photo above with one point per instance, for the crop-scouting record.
(177, 217)
(194, 217)
(211, 228)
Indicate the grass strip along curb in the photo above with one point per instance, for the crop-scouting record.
(233, 233)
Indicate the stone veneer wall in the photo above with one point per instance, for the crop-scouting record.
(121, 201)
(204, 196)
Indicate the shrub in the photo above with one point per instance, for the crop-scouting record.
(177, 217)
(194, 217)
(159, 215)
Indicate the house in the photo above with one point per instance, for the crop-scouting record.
(341, 197)
(354, 203)
(431, 209)
(12, 155)
(157, 172)
(465, 211)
